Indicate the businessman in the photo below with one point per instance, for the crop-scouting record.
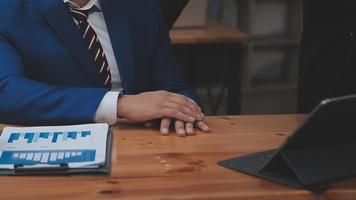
(328, 53)
(80, 61)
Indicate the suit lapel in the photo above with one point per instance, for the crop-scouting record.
(117, 21)
(56, 14)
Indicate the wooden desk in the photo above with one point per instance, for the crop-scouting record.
(149, 166)
(212, 33)
(212, 56)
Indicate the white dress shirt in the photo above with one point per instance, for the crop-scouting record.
(107, 110)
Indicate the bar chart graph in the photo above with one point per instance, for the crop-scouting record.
(54, 137)
(79, 146)
(46, 157)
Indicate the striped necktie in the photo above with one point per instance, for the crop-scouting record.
(92, 40)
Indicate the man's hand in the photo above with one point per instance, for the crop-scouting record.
(156, 105)
(182, 128)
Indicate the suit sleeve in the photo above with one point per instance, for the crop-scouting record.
(168, 75)
(29, 102)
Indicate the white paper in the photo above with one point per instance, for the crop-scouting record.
(79, 146)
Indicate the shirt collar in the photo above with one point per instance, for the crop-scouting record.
(89, 5)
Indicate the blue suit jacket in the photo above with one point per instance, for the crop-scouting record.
(47, 75)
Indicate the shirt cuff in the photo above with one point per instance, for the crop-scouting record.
(107, 110)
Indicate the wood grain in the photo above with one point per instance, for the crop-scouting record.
(149, 166)
(211, 33)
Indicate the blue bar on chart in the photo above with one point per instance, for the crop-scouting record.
(46, 157)
(53, 137)
(13, 137)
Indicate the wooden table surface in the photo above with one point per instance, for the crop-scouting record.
(212, 33)
(149, 166)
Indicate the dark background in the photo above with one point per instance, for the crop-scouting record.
(269, 60)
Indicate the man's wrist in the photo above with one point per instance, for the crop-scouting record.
(119, 98)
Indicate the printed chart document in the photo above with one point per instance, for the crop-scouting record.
(80, 146)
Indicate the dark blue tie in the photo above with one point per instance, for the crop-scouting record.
(92, 40)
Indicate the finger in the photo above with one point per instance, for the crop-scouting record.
(199, 109)
(192, 108)
(174, 114)
(165, 124)
(201, 113)
(183, 109)
(184, 101)
(179, 125)
(203, 126)
(189, 129)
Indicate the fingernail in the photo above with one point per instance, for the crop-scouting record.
(190, 131)
(181, 132)
(192, 119)
(206, 128)
(164, 131)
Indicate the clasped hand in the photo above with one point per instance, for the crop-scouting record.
(167, 106)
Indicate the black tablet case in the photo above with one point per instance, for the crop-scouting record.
(102, 170)
(321, 151)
